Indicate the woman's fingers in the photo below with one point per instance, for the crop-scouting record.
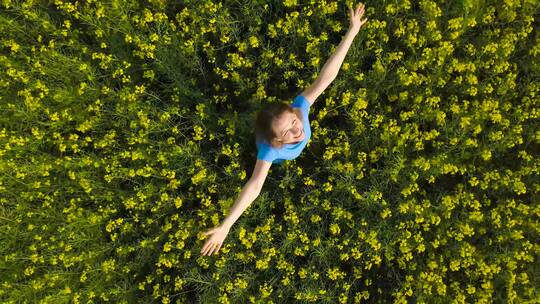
(214, 249)
(360, 9)
(206, 245)
(213, 244)
(207, 248)
(204, 248)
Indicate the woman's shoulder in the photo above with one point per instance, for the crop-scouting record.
(302, 103)
(267, 152)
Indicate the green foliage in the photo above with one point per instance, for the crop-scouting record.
(126, 131)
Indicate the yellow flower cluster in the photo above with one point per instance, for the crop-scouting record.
(117, 113)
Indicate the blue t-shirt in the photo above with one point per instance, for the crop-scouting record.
(288, 151)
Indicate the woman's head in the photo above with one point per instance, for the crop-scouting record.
(279, 124)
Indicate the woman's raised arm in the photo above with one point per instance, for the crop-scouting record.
(248, 194)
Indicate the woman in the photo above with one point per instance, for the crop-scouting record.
(282, 132)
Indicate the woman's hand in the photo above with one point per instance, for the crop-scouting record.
(356, 23)
(213, 244)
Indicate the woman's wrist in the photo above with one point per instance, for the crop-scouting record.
(354, 31)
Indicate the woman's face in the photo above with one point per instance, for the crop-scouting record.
(289, 127)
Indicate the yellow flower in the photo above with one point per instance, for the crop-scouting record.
(241, 283)
(253, 41)
(386, 213)
(309, 182)
(266, 290)
(302, 273)
(486, 155)
(199, 133)
(108, 265)
(167, 247)
(13, 46)
(334, 229)
(334, 274)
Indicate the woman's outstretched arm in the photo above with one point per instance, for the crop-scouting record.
(248, 194)
(331, 68)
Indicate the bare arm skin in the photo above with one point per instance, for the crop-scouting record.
(249, 193)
